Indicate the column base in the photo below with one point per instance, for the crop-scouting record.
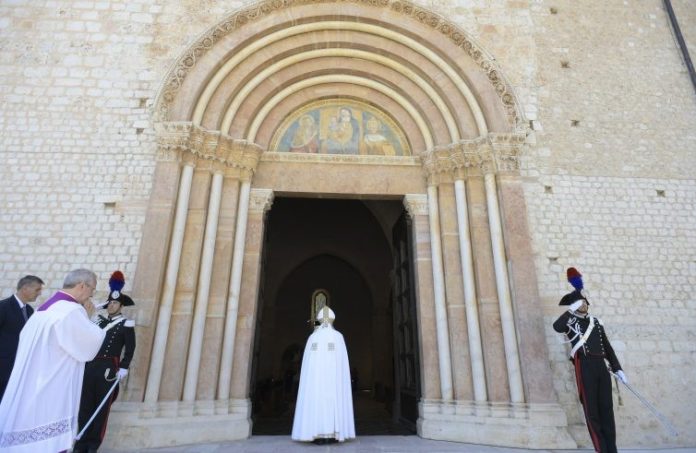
(502, 424)
(134, 426)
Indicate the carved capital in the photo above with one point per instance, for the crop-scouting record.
(490, 154)
(416, 204)
(507, 149)
(455, 160)
(260, 200)
(193, 143)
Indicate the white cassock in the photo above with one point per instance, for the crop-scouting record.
(39, 410)
(324, 407)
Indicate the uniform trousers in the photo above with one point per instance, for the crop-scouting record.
(95, 386)
(594, 389)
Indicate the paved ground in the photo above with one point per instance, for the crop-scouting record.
(365, 444)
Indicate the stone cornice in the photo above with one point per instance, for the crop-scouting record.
(194, 144)
(353, 159)
(175, 78)
(491, 154)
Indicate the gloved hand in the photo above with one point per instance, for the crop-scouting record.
(122, 372)
(575, 305)
(622, 376)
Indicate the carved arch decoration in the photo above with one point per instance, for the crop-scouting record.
(263, 63)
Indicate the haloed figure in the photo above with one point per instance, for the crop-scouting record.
(324, 410)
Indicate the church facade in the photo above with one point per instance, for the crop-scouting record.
(436, 166)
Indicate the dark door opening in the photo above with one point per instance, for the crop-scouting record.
(351, 249)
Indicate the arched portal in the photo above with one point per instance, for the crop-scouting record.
(339, 246)
(236, 117)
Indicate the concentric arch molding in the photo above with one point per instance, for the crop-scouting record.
(249, 14)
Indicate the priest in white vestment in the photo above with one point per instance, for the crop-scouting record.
(39, 410)
(324, 409)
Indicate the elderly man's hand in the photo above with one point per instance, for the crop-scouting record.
(89, 308)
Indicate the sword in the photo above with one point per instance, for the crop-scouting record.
(665, 423)
(89, 422)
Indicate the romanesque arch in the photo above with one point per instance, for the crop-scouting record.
(485, 367)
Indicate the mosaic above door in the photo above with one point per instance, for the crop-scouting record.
(340, 126)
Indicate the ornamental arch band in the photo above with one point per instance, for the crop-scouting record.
(387, 105)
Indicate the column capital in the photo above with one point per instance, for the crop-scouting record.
(416, 204)
(507, 149)
(486, 154)
(260, 200)
(186, 139)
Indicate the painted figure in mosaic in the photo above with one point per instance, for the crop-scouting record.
(374, 142)
(343, 134)
(324, 409)
(110, 364)
(15, 311)
(306, 138)
(39, 410)
(590, 350)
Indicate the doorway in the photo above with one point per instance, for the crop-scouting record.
(349, 248)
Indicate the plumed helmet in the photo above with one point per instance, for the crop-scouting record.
(570, 298)
(116, 284)
(572, 272)
(574, 278)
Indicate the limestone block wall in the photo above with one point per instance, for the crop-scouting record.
(608, 172)
(611, 189)
(76, 141)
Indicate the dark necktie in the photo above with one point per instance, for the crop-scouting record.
(24, 313)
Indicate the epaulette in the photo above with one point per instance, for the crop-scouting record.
(129, 323)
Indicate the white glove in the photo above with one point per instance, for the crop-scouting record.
(575, 305)
(622, 376)
(122, 372)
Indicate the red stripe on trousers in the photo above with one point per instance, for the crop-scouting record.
(581, 390)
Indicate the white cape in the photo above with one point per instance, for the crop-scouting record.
(39, 410)
(324, 407)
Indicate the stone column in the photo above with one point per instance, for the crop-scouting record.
(454, 289)
(512, 358)
(470, 300)
(165, 309)
(217, 151)
(443, 346)
(204, 279)
(260, 202)
(529, 316)
(417, 209)
(228, 338)
(450, 165)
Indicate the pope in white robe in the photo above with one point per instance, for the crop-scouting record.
(39, 410)
(324, 408)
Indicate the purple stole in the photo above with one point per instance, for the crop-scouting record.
(60, 295)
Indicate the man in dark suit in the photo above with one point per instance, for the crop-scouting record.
(14, 313)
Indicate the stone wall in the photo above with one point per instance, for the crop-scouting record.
(608, 171)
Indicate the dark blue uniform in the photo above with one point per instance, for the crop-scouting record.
(592, 376)
(100, 375)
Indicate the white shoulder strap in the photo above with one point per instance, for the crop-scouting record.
(584, 338)
(113, 323)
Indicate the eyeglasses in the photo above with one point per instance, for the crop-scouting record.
(93, 288)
